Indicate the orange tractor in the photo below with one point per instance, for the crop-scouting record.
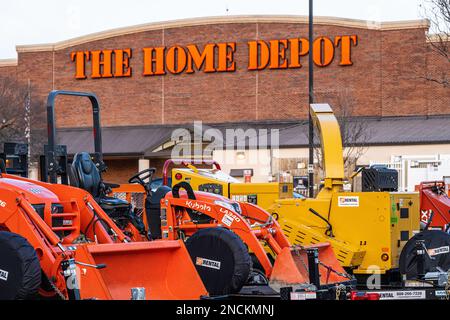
(228, 241)
(58, 240)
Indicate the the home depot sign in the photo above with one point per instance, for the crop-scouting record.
(213, 57)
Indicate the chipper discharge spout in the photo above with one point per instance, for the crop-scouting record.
(307, 267)
(62, 231)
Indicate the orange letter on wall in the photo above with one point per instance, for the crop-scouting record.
(99, 59)
(122, 63)
(176, 59)
(226, 57)
(157, 59)
(80, 63)
(101, 64)
(278, 54)
(323, 51)
(298, 48)
(207, 58)
(346, 48)
(258, 55)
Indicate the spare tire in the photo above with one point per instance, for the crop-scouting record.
(438, 245)
(221, 258)
(20, 271)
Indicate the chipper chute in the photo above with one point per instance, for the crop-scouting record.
(301, 267)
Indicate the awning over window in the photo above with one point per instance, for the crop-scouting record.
(149, 140)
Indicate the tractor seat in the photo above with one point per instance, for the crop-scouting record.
(84, 174)
(112, 202)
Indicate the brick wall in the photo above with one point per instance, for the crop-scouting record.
(8, 72)
(120, 170)
(385, 79)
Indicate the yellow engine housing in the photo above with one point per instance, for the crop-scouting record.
(262, 194)
(370, 228)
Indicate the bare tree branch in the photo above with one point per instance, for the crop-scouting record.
(354, 132)
(14, 98)
(438, 36)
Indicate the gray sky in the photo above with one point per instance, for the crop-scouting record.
(32, 22)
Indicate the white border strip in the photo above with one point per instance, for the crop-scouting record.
(332, 21)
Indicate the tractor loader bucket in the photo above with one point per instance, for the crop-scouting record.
(292, 268)
(163, 268)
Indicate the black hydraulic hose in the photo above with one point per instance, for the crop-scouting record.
(2, 166)
(329, 231)
(447, 229)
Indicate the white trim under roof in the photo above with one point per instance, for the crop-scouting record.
(8, 62)
(330, 21)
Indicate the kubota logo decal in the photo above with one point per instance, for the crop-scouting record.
(197, 206)
(207, 263)
(4, 275)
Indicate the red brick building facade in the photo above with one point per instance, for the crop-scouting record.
(386, 77)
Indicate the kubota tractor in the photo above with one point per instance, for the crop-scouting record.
(225, 238)
(55, 240)
(58, 240)
(228, 242)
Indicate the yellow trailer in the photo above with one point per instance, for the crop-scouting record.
(216, 181)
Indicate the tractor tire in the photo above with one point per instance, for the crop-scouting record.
(221, 259)
(20, 270)
(437, 243)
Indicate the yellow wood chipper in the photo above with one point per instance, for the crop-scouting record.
(367, 230)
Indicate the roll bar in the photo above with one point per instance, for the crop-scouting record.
(51, 129)
(185, 163)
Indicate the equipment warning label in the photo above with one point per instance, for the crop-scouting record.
(348, 201)
(3, 275)
(227, 220)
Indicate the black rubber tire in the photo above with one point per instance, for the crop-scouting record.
(20, 270)
(433, 239)
(223, 246)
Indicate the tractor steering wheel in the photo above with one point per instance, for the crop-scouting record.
(143, 175)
